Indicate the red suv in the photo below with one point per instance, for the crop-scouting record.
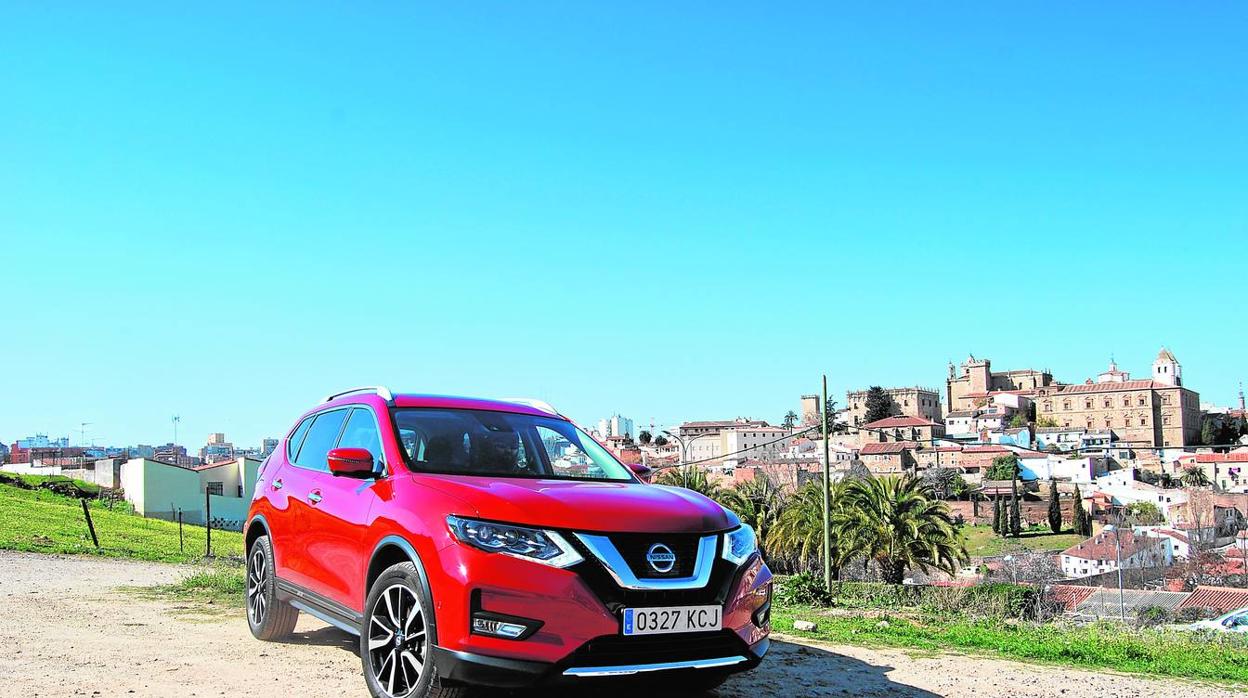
(483, 542)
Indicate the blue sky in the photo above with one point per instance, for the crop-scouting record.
(671, 212)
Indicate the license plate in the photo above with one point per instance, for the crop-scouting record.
(672, 619)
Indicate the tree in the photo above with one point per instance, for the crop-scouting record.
(644, 437)
(790, 419)
(797, 535)
(757, 502)
(941, 480)
(1003, 468)
(1018, 421)
(879, 405)
(1046, 423)
(1194, 476)
(690, 477)
(1083, 520)
(660, 440)
(829, 413)
(1055, 508)
(1016, 517)
(1208, 432)
(898, 524)
(1144, 514)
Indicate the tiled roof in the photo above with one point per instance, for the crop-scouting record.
(1104, 546)
(962, 413)
(877, 449)
(1111, 387)
(1170, 533)
(1233, 457)
(1070, 596)
(1165, 355)
(986, 449)
(889, 422)
(1222, 598)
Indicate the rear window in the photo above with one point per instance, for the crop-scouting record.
(502, 444)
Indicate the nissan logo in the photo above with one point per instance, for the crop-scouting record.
(661, 558)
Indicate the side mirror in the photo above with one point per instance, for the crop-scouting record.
(351, 462)
(643, 472)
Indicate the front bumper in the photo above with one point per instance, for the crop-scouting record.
(579, 615)
(484, 670)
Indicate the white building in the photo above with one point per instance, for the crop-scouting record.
(160, 490)
(616, 425)
(754, 443)
(1100, 554)
(1080, 471)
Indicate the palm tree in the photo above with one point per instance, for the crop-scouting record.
(757, 502)
(898, 523)
(690, 477)
(790, 419)
(1194, 476)
(797, 535)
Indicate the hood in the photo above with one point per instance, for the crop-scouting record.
(607, 507)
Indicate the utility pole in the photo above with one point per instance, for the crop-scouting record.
(82, 433)
(176, 419)
(827, 483)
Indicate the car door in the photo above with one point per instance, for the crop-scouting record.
(338, 516)
(302, 484)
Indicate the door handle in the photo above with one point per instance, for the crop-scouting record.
(277, 484)
(314, 497)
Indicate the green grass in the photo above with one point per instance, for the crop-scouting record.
(44, 522)
(982, 542)
(1097, 646)
(223, 586)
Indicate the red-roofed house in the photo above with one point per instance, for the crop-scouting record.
(894, 429)
(1101, 553)
(888, 458)
(1223, 599)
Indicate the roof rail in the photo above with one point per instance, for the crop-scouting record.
(378, 390)
(535, 404)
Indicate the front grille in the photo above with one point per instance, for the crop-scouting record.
(633, 547)
(616, 650)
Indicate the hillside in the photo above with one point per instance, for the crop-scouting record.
(45, 521)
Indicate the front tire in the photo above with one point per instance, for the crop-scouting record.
(268, 618)
(396, 641)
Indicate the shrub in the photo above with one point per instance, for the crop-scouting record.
(1151, 617)
(802, 590)
(1191, 614)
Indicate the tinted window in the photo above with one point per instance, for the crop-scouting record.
(361, 432)
(296, 439)
(321, 438)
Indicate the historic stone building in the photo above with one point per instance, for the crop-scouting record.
(1158, 411)
(906, 402)
(972, 387)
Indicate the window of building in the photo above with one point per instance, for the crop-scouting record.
(216, 488)
(1066, 406)
(1141, 401)
(1108, 402)
(1165, 399)
(1048, 406)
(1126, 400)
(1087, 404)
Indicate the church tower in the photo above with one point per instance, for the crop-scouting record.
(1166, 369)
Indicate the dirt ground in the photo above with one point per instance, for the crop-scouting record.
(68, 628)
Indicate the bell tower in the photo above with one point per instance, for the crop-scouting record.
(1166, 369)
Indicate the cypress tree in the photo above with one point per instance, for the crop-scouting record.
(996, 515)
(1016, 518)
(1055, 508)
(1082, 522)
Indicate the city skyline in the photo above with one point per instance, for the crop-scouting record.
(226, 215)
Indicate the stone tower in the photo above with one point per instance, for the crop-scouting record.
(1166, 369)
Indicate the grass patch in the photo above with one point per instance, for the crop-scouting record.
(223, 586)
(1174, 653)
(42, 521)
(982, 542)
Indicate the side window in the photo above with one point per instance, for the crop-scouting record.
(566, 458)
(361, 432)
(296, 439)
(321, 437)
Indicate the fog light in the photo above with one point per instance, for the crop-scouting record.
(762, 616)
(498, 628)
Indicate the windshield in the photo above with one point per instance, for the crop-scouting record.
(502, 444)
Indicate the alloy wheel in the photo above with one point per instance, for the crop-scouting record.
(397, 640)
(257, 586)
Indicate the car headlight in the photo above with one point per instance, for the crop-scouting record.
(546, 547)
(740, 544)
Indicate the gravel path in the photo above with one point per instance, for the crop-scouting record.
(67, 629)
